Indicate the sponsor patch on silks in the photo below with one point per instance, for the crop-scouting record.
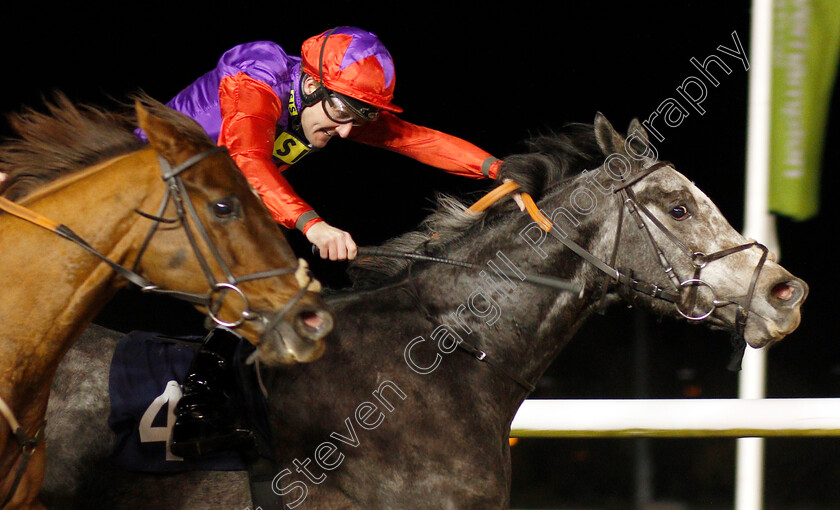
(289, 149)
(144, 387)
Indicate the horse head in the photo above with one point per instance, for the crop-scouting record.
(237, 245)
(684, 246)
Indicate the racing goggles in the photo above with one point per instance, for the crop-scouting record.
(344, 110)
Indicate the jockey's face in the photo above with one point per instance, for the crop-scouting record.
(317, 126)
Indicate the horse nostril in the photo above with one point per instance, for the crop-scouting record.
(783, 291)
(790, 291)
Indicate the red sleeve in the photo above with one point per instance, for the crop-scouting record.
(433, 148)
(250, 112)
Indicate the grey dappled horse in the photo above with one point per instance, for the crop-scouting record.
(412, 403)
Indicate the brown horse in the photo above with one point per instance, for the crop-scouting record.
(200, 234)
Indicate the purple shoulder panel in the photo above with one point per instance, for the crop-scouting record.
(262, 60)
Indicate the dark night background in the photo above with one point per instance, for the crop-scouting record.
(494, 76)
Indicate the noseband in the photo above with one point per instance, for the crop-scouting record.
(683, 291)
(673, 295)
(698, 259)
(176, 193)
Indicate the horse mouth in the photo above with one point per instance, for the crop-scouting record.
(313, 324)
(298, 338)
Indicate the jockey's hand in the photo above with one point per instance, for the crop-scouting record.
(332, 243)
(517, 198)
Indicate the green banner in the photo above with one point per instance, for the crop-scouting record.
(806, 43)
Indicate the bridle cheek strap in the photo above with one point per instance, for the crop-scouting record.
(699, 260)
(175, 191)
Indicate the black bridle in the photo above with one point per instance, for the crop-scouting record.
(698, 259)
(176, 192)
(682, 292)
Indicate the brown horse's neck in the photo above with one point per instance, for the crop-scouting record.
(60, 184)
(44, 306)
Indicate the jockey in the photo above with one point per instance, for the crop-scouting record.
(270, 110)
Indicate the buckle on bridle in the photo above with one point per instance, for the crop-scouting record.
(214, 306)
(699, 259)
(687, 314)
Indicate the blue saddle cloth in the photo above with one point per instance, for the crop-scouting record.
(144, 387)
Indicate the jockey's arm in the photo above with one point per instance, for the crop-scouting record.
(434, 148)
(250, 112)
(431, 147)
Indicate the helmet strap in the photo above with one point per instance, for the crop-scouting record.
(321, 92)
(360, 108)
(314, 97)
(321, 56)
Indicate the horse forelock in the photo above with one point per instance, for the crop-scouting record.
(68, 137)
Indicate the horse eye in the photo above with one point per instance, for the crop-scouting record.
(225, 208)
(679, 212)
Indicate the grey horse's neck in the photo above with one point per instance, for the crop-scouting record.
(517, 325)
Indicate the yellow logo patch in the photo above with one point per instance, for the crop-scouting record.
(289, 149)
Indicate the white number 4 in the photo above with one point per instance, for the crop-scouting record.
(149, 434)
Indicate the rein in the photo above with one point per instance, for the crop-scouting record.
(673, 295)
(698, 260)
(176, 192)
(534, 279)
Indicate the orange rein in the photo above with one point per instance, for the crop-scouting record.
(27, 214)
(494, 196)
(505, 189)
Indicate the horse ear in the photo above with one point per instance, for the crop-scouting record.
(638, 143)
(162, 135)
(636, 127)
(608, 138)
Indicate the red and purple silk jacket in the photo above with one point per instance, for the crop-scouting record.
(247, 103)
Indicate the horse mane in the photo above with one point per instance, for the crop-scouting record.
(551, 160)
(68, 137)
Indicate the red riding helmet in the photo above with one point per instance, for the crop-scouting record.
(354, 63)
